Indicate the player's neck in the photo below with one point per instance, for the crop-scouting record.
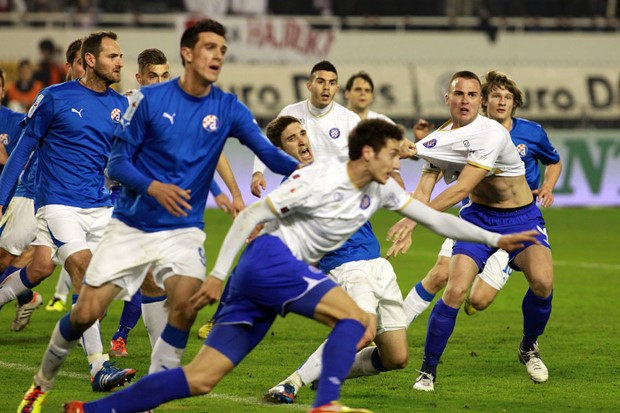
(507, 123)
(358, 173)
(319, 112)
(363, 114)
(94, 82)
(194, 87)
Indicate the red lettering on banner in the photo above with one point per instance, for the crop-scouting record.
(289, 34)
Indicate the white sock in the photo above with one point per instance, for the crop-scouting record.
(91, 341)
(311, 369)
(414, 305)
(362, 366)
(63, 286)
(57, 351)
(295, 380)
(155, 317)
(165, 356)
(12, 286)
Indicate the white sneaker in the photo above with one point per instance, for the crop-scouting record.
(24, 312)
(424, 382)
(281, 393)
(535, 367)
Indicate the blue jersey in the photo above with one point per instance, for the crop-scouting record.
(25, 188)
(176, 138)
(362, 245)
(71, 127)
(10, 130)
(533, 146)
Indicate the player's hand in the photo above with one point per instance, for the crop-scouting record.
(421, 129)
(543, 196)
(258, 182)
(515, 241)
(224, 203)
(210, 292)
(257, 229)
(399, 246)
(238, 205)
(407, 149)
(171, 197)
(400, 235)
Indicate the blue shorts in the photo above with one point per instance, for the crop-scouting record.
(269, 280)
(504, 221)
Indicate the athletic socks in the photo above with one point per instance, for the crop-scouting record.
(416, 302)
(440, 327)
(169, 349)
(536, 313)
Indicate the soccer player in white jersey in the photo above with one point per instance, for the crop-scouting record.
(327, 122)
(72, 204)
(360, 94)
(479, 155)
(165, 153)
(274, 274)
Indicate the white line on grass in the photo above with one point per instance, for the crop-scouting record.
(221, 396)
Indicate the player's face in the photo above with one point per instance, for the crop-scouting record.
(323, 88)
(153, 74)
(382, 164)
(500, 104)
(463, 99)
(360, 96)
(206, 58)
(109, 62)
(295, 143)
(75, 69)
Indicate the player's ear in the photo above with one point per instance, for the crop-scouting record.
(90, 59)
(367, 152)
(186, 54)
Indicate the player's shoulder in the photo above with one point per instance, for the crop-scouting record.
(294, 108)
(341, 110)
(377, 115)
(526, 125)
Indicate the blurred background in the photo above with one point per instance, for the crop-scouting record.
(562, 53)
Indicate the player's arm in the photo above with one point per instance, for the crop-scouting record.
(450, 226)
(544, 194)
(15, 165)
(469, 177)
(258, 183)
(4, 155)
(227, 175)
(242, 227)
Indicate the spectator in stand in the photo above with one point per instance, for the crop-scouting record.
(22, 92)
(49, 72)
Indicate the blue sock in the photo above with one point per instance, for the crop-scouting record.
(536, 313)
(375, 359)
(148, 300)
(426, 296)
(147, 393)
(25, 298)
(338, 357)
(440, 327)
(132, 310)
(175, 337)
(66, 329)
(9, 270)
(26, 281)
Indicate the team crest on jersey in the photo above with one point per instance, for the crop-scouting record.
(522, 149)
(430, 144)
(210, 123)
(365, 202)
(338, 196)
(35, 105)
(4, 139)
(334, 133)
(116, 115)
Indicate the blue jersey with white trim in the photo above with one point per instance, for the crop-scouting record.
(533, 146)
(74, 126)
(177, 138)
(362, 246)
(10, 131)
(25, 188)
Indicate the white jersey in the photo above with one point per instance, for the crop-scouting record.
(328, 132)
(316, 219)
(483, 143)
(376, 115)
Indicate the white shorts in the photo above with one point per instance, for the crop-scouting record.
(372, 285)
(496, 271)
(18, 226)
(125, 254)
(67, 230)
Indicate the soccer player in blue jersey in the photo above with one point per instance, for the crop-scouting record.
(501, 97)
(71, 126)
(274, 275)
(478, 155)
(9, 126)
(165, 153)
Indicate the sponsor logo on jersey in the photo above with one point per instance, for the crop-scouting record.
(338, 196)
(430, 144)
(35, 105)
(169, 117)
(334, 133)
(522, 149)
(4, 138)
(283, 210)
(210, 123)
(295, 176)
(116, 115)
(365, 202)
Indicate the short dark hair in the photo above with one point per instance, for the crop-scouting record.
(495, 78)
(92, 44)
(374, 133)
(73, 49)
(323, 65)
(151, 57)
(2, 79)
(47, 45)
(360, 75)
(275, 128)
(464, 74)
(189, 38)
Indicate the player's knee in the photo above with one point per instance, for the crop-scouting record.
(182, 313)
(82, 317)
(542, 286)
(437, 278)
(396, 361)
(480, 301)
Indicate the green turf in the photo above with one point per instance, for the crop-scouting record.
(479, 371)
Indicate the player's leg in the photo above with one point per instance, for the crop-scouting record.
(423, 293)
(129, 318)
(154, 308)
(488, 283)
(63, 287)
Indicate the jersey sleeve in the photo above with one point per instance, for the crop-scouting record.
(293, 194)
(546, 152)
(483, 149)
(393, 197)
(40, 116)
(132, 128)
